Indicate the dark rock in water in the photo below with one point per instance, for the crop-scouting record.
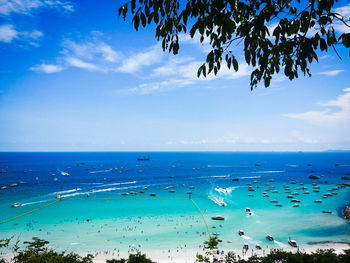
(346, 212)
(312, 176)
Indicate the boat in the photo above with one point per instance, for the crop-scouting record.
(143, 159)
(172, 191)
(312, 176)
(145, 188)
(235, 179)
(269, 237)
(191, 187)
(189, 192)
(16, 205)
(241, 232)
(217, 218)
(3, 187)
(22, 182)
(296, 205)
(124, 193)
(222, 203)
(327, 212)
(295, 201)
(58, 196)
(142, 192)
(273, 201)
(317, 201)
(13, 185)
(245, 246)
(247, 209)
(132, 193)
(257, 246)
(278, 205)
(153, 194)
(292, 242)
(250, 195)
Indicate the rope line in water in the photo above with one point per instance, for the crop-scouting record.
(29, 212)
(200, 211)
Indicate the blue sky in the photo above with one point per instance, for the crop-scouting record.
(76, 77)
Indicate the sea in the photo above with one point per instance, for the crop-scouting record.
(112, 201)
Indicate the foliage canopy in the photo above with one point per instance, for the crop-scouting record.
(276, 34)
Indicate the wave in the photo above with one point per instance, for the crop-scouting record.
(74, 194)
(249, 177)
(268, 172)
(225, 191)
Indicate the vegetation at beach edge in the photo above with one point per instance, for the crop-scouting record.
(36, 251)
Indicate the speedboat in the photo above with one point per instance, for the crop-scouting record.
(247, 209)
(257, 246)
(16, 205)
(241, 232)
(13, 185)
(222, 203)
(245, 246)
(317, 201)
(269, 237)
(191, 187)
(3, 187)
(153, 194)
(292, 242)
(217, 218)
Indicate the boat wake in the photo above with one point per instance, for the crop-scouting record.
(217, 200)
(132, 182)
(67, 191)
(280, 244)
(246, 237)
(268, 172)
(249, 177)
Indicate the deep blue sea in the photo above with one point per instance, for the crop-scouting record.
(93, 214)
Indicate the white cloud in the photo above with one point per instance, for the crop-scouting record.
(332, 72)
(328, 116)
(8, 7)
(75, 62)
(7, 33)
(48, 68)
(136, 61)
(229, 139)
(92, 54)
(156, 87)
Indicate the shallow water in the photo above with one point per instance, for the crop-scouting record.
(106, 220)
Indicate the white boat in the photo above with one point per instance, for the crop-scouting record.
(3, 187)
(269, 237)
(241, 232)
(64, 173)
(292, 242)
(222, 203)
(257, 246)
(16, 205)
(245, 246)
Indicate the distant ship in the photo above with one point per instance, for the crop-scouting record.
(143, 159)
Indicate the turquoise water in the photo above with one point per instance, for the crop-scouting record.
(104, 221)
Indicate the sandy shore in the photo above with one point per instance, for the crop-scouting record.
(189, 256)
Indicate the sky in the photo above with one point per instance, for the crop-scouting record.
(75, 77)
